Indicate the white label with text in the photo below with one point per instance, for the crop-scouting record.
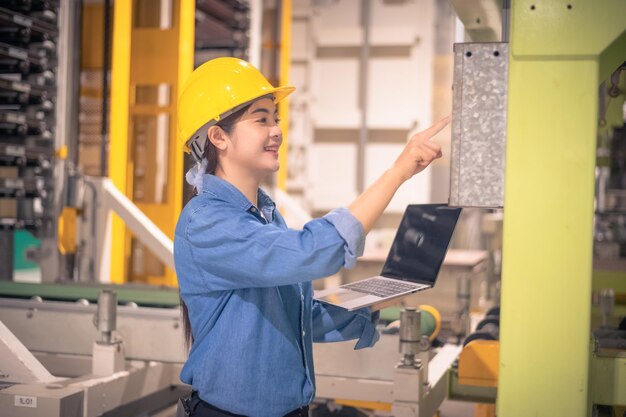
(23, 401)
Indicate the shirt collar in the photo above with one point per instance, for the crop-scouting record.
(266, 205)
(230, 193)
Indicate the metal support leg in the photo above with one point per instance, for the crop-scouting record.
(108, 354)
(6, 254)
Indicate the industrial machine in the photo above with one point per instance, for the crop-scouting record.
(402, 375)
(121, 357)
(30, 63)
(104, 359)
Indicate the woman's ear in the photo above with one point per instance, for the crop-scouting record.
(217, 136)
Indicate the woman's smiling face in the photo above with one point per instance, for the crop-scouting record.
(256, 139)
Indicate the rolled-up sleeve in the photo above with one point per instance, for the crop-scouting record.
(234, 250)
(334, 324)
(352, 232)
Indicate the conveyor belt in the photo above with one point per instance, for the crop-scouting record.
(143, 295)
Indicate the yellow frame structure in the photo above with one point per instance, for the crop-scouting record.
(560, 52)
(283, 106)
(147, 56)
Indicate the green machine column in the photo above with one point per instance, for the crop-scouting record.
(559, 53)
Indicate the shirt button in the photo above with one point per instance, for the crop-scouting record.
(253, 210)
(303, 333)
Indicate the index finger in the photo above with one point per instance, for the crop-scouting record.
(434, 129)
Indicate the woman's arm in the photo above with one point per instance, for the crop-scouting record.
(418, 153)
(228, 248)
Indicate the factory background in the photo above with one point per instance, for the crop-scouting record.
(528, 316)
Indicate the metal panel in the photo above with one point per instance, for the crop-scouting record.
(607, 379)
(373, 376)
(565, 28)
(479, 124)
(548, 225)
(148, 333)
(482, 19)
(548, 236)
(341, 360)
(140, 389)
(41, 401)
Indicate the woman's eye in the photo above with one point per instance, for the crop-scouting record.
(263, 120)
(277, 120)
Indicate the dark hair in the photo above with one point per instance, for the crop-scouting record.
(210, 153)
(227, 125)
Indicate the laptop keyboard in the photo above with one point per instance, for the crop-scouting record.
(382, 287)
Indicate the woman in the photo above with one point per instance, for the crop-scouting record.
(245, 278)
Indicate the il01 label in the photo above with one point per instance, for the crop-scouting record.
(23, 401)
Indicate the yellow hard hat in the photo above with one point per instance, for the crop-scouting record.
(215, 90)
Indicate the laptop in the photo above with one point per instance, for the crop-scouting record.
(412, 264)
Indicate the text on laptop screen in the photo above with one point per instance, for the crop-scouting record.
(421, 242)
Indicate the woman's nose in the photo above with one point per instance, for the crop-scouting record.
(275, 132)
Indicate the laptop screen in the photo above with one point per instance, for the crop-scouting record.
(421, 243)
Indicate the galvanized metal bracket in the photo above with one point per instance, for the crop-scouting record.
(479, 106)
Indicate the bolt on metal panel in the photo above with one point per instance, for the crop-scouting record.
(479, 105)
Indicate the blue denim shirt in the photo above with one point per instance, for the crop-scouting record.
(246, 282)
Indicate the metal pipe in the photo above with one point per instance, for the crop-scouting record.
(106, 316)
(106, 63)
(283, 106)
(220, 10)
(256, 35)
(410, 333)
(68, 75)
(144, 228)
(365, 55)
(212, 27)
(6, 254)
(463, 293)
(607, 304)
(92, 220)
(506, 19)
(463, 297)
